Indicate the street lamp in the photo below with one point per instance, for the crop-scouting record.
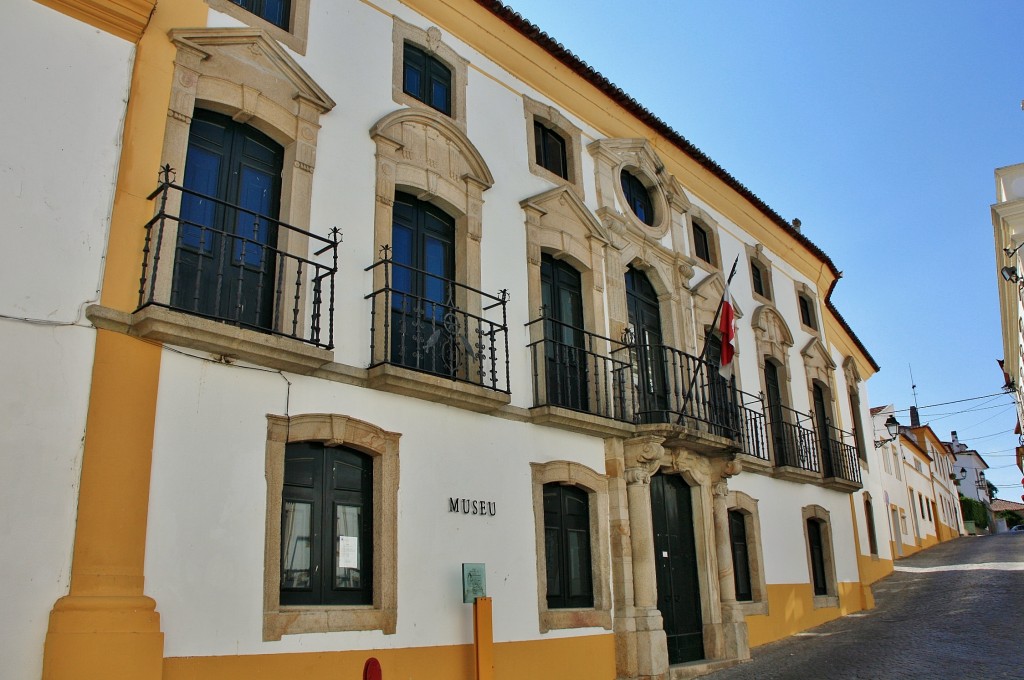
(893, 427)
(1010, 274)
(1010, 252)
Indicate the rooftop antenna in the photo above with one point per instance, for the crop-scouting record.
(913, 386)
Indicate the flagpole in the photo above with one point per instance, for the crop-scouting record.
(707, 336)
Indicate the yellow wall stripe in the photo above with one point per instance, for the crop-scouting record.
(577, 658)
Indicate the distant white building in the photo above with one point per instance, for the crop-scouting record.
(970, 470)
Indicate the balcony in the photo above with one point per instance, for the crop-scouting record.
(223, 278)
(794, 444)
(586, 382)
(839, 461)
(437, 339)
(581, 380)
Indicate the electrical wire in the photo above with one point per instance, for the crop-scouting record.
(946, 403)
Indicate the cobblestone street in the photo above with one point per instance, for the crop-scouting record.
(953, 611)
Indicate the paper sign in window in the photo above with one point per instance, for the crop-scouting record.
(348, 552)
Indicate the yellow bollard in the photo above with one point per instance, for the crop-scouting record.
(483, 638)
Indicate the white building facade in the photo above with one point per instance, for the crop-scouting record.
(357, 294)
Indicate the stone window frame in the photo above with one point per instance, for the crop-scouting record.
(711, 227)
(756, 256)
(382, 446)
(637, 156)
(807, 293)
(559, 224)
(596, 486)
(294, 37)
(774, 340)
(822, 516)
(747, 506)
(820, 368)
(429, 40)
(423, 152)
(552, 118)
(245, 74)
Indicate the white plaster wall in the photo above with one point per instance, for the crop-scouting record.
(780, 506)
(65, 86)
(205, 545)
(207, 516)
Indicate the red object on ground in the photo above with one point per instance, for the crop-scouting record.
(371, 671)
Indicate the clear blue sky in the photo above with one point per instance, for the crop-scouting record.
(879, 125)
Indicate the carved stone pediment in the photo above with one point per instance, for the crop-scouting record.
(428, 141)
(851, 372)
(817, 362)
(637, 156)
(226, 52)
(771, 329)
(708, 293)
(560, 223)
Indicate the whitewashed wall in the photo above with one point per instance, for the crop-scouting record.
(204, 552)
(204, 560)
(782, 527)
(62, 110)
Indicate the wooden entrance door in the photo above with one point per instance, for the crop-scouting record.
(675, 556)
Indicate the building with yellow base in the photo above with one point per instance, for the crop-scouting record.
(343, 296)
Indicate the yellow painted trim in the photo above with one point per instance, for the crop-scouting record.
(126, 19)
(873, 569)
(106, 628)
(791, 610)
(142, 147)
(574, 658)
(483, 638)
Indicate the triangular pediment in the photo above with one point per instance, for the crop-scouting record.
(252, 46)
(814, 351)
(562, 203)
(710, 290)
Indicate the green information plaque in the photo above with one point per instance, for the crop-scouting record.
(474, 582)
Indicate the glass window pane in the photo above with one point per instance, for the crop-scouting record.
(296, 545)
(552, 552)
(439, 96)
(579, 564)
(347, 557)
(256, 195)
(202, 173)
(276, 12)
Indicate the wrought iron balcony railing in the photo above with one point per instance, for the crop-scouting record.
(793, 444)
(210, 258)
(839, 457)
(674, 386)
(428, 323)
(753, 430)
(586, 372)
(578, 370)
